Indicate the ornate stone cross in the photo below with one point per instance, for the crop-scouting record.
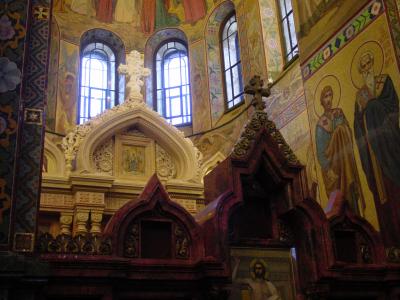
(255, 88)
(135, 70)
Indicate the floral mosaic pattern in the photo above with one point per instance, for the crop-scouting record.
(10, 75)
(353, 28)
(6, 29)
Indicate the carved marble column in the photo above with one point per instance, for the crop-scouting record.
(66, 222)
(89, 207)
(95, 218)
(81, 219)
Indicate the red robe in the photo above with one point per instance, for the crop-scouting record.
(194, 10)
(148, 16)
(104, 11)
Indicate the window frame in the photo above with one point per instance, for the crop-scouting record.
(222, 59)
(155, 87)
(116, 91)
(287, 62)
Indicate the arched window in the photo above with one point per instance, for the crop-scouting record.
(232, 66)
(97, 81)
(172, 83)
(288, 29)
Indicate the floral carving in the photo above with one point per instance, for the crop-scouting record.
(165, 166)
(181, 243)
(247, 138)
(393, 255)
(87, 244)
(10, 75)
(103, 157)
(131, 247)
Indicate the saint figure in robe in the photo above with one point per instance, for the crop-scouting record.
(335, 152)
(377, 132)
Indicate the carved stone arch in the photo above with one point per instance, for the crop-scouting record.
(214, 68)
(208, 165)
(154, 204)
(152, 44)
(54, 158)
(182, 150)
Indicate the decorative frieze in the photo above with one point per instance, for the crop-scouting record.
(89, 198)
(189, 205)
(87, 244)
(56, 200)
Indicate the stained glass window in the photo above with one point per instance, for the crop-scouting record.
(232, 66)
(173, 84)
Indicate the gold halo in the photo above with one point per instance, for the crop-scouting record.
(334, 83)
(376, 50)
(261, 261)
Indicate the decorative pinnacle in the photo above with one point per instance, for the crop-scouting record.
(255, 88)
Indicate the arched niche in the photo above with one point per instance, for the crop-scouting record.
(354, 240)
(213, 42)
(101, 129)
(154, 227)
(53, 159)
(152, 44)
(107, 37)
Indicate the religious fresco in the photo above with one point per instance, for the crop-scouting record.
(52, 82)
(68, 79)
(250, 34)
(272, 37)
(262, 274)
(334, 140)
(317, 20)
(146, 16)
(287, 97)
(212, 37)
(198, 76)
(355, 149)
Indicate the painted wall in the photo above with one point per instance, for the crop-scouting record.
(341, 101)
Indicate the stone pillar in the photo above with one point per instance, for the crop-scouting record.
(96, 218)
(81, 219)
(85, 202)
(66, 222)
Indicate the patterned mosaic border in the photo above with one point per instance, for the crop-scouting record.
(28, 171)
(13, 20)
(394, 21)
(366, 16)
